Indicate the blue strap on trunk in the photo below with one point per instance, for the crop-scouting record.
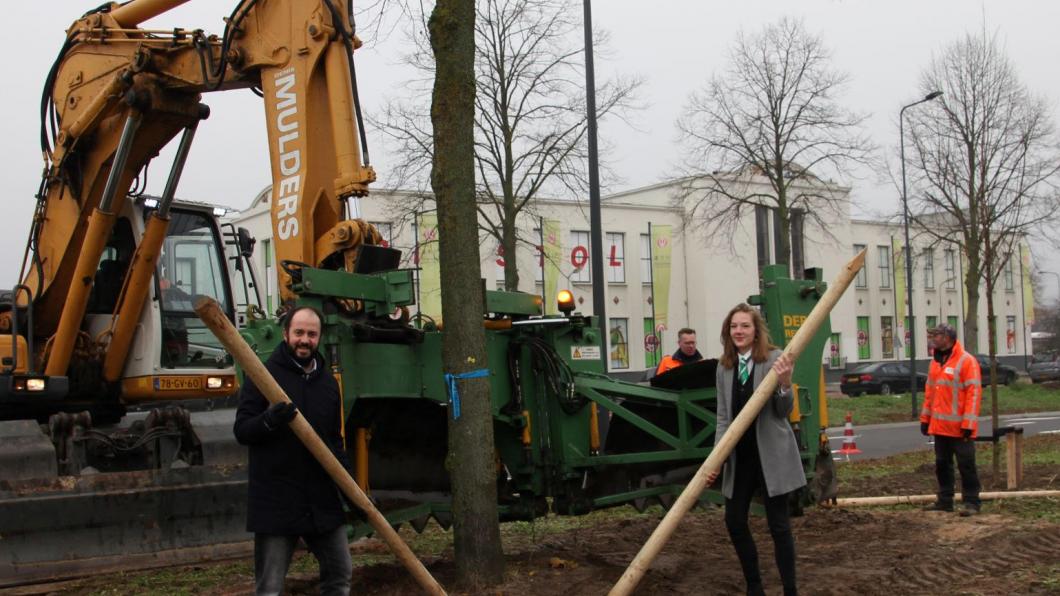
(454, 393)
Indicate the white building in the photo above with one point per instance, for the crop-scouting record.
(706, 281)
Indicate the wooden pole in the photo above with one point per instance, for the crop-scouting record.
(642, 562)
(211, 314)
(913, 499)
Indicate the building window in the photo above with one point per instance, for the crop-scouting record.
(883, 254)
(862, 279)
(498, 266)
(1010, 334)
(652, 345)
(1010, 284)
(929, 269)
(619, 343)
(887, 337)
(762, 235)
(271, 284)
(952, 322)
(616, 257)
(798, 252)
(386, 230)
(949, 259)
(579, 257)
(864, 347)
(835, 356)
(645, 260)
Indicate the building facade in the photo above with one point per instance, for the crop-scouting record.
(662, 274)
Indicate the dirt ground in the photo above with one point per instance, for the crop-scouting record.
(840, 552)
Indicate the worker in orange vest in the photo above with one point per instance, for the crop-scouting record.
(951, 415)
(686, 352)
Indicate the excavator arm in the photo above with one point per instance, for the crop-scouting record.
(118, 94)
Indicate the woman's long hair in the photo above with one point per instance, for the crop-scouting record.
(759, 348)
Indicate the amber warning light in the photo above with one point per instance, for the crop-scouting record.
(565, 301)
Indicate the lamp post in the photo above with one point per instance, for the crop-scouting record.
(908, 252)
(596, 241)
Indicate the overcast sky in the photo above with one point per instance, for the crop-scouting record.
(674, 44)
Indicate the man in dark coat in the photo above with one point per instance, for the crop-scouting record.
(290, 494)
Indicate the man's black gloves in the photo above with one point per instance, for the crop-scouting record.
(923, 428)
(280, 414)
(966, 433)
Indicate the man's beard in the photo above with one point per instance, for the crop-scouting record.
(293, 350)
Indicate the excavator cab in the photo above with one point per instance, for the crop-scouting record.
(191, 265)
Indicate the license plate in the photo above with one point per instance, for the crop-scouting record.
(853, 379)
(178, 383)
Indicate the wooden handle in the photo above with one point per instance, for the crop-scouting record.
(642, 562)
(211, 314)
(914, 499)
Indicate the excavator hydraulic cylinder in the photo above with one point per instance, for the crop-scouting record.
(133, 13)
(100, 224)
(351, 177)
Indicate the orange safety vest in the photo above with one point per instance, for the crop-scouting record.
(953, 394)
(668, 362)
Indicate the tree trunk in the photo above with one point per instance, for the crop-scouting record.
(991, 335)
(476, 532)
(783, 235)
(971, 290)
(510, 243)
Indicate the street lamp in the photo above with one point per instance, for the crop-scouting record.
(908, 252)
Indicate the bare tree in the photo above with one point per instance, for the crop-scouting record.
(985, 163)
(766, 132)
(476, 531)
(530, 120)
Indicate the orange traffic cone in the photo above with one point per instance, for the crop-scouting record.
(850, 447)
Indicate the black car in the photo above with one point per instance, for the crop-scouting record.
(1006, 375)
(882, 378)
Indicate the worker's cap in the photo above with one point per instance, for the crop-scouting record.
(943, 329)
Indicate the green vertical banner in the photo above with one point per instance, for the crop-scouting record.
(553, 250)
(661, 249)
(864, 348)
(898, 255)
(1028, 285)
(430, 273)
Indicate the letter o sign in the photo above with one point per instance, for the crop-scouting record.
(579, 256)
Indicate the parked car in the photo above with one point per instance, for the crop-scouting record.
(882, 378)
(1048, 370)
(1006, 375)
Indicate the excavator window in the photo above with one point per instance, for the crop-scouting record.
(191, 265)
(113, 265)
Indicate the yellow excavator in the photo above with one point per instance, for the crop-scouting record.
(101, 321)
(101, 317)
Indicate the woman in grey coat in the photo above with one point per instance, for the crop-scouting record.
(767, 456)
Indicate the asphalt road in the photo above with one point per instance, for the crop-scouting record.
(881, 440)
